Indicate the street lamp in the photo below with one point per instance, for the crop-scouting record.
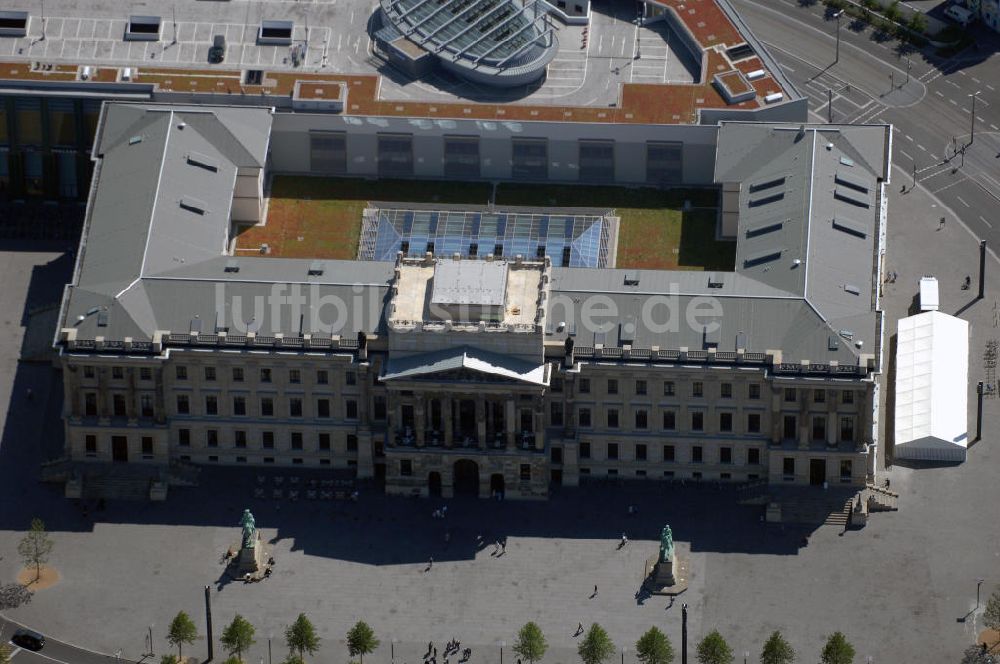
(979, 584)
(392, 650)
(746, 656)
(623, 654)
(837, 16)
(972, 130)
(502, 644)
(269, 637)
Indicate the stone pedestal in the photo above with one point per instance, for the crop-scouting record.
(248, 561)
(663, 573)
(668, 577)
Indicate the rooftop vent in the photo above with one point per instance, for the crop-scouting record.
(832, 343)
(851, 183)
(202, 161)
(742, 341)
(852, 289)
(847, 161)
(316, 269)
(135, 139)
(13, 24)
(631, 279)
(195, 325)
(192, 205)
(765, 228)
(849, 196)
(142, 28)
(767, 184)
(762, 257)
(102, 318)
(232, 265)
(716, 280)
(711, 334)
(850, 227)
(764, 200)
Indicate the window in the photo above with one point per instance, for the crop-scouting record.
(697, 421)
(184, 437)
(90, 445)
(239, 405)
(664, 162)
(612, 451)
(725, 455)
(237, 374)
(668, 453)
(322, 377)
(378, 407)
(117, 373)
(697, 455)
(584, 417)
(789, 432)
(819, 396)
(265, 375)
(213, 458)
(668, 388)
(211, 405)
(296, 440)
(294, 376)
(328, 151)
(846, 470)
(267, 440)
(212, 437)
(183, 406)
(597, 160)
(640, 452)
(525, 472)
(585, 471)
(641, 419)
(556, 414)
(147, 447)
(90, 404)
(847, 428)
(612, 386)
(209, 373)
(669, 420)
(753, 391)
(640, 473)
(240, 438)
(146, 405)
(395, 155)
(266, 407)
(145, 373)
(726, 390)
(352, 443)
(788, 467)
(461, 157)
(181, 372)
(324, 442)
(612, 472)
(612, 418)
(753, 456)
(322, 408)
(697, 389)
(790, 394)
(351, 378)
(668, 474)
(819, 428)
(640, 387)
(241, 459)
(725, 422)
(118, 405)
(351, 409)
(557, 455)
(753, 422)
(725, 476)
(295, 407)
(88, 371)
(847, 397)
(529, 159)
(557, 385)
(584, 450)
(405, 467)
(324, 462)
(268, 459)
(584, 386)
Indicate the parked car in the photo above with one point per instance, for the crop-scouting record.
(27, 639)
(960, 15)
(217, 53)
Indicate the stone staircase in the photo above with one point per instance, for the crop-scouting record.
(880, 499)
(116, 487)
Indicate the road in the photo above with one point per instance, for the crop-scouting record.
(54, 651)
(928, 100)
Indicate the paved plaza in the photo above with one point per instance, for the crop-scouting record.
(901, 589)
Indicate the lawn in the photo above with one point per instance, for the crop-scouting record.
(312, 217)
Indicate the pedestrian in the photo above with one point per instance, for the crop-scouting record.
(579, 628)
(503, 547)
(435, 650)
(595, 591)
(941, 223)
(624, 540)
(430, 564)
(447, 538)
(430, 646)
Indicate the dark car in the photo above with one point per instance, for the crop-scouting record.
(25, 638)
(217, 53)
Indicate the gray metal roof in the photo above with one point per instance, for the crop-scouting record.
(480, 283)
(464, 357)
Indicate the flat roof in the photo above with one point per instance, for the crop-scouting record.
(481, 283)
(84, 51)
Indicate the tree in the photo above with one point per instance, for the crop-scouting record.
(977, 655)
(13, 595)
(837, 650)
(530, 643)
(596, 646)
(35, 547)
(169, 659)
(918, 23)
(233, 660)
(777, 651)
(713, 649)
(361, 640)
(237, 637)
(301, 636)
(294, 659)
(991, 616)
(654, 647)
(182, 630)
(892, 12)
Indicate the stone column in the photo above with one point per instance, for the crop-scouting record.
(159, 409)
(102, 393)
(804, 423)
(831, 420)
(365, 394)
(397, 416)
(777, 422)
(447, 417)
(73, 391)
(481, 421)
(511, 428)
(131, 397)
(419, 418)
(539, 424)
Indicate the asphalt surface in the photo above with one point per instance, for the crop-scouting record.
(54, 651)
(926, 98)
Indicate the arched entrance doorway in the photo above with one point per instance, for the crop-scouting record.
(466, 480)
(496, 484)
(434, 484)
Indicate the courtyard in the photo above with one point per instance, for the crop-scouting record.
(321, 217)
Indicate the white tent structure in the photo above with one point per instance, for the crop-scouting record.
(932, 374)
